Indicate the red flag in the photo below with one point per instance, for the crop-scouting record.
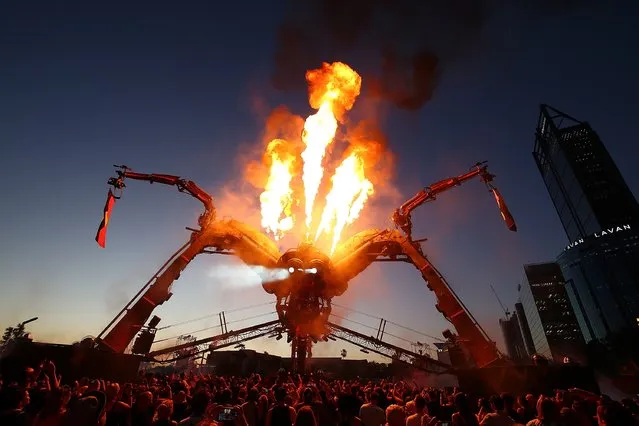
(503, 209)
(100, 237)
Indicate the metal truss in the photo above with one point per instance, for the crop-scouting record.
(220, 341)
(557, 117)
(388, 350)
(274, 328)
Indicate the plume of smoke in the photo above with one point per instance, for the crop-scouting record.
(412, 41)
(234, 276)
(117, 295)
(370, 143)
(239, 201)
(403, 35)
(283, 124)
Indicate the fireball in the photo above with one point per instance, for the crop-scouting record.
(333, 89)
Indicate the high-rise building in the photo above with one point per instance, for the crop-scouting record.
(600, 216)
(602, 279)
(524, 328)
(584, 183)
(513, 338)
(552, 322)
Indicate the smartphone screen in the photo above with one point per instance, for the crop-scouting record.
(227, 415)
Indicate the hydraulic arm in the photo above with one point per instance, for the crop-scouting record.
(402, 216)
(223, 236)
(231, 237)
(357, 253)
(188, 186)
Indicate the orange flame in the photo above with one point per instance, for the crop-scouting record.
(346, 198)
(277, 198)
(332, 91)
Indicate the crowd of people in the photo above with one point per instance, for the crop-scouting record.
(285, 400)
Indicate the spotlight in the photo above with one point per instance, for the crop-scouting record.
(279, 337)
(291, 270)
(313, 270)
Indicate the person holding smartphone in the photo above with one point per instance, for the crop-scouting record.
(281, 414)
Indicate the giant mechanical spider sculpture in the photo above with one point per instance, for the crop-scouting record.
(303, 297)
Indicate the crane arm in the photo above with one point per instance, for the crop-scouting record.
(357, 253)
(230, 236)
(402, 216)
(223, 236)
(503, 308)
(183, 185)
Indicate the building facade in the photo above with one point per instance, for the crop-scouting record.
(602, 279)
(584, 183)
(553, 325)
(600, 216)
(513, 338)
(524, 328)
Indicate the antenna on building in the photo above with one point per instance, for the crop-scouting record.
(506, 311)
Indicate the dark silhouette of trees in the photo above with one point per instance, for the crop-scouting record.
(11, 333)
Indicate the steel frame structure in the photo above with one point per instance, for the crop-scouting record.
(220, 341)
(273, 328)
(388, 350)
(231, 237)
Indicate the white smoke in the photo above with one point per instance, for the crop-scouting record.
(245, 276)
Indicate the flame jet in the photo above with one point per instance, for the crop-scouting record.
(332, 91)
(277, 198)
(346, 198)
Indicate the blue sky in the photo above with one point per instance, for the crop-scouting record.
(184, 92)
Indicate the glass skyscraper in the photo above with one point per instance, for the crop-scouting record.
(600, 216)
(551, 320)
(584, 183)
(602, 278)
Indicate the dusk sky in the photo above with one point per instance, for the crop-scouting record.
(184, 88)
